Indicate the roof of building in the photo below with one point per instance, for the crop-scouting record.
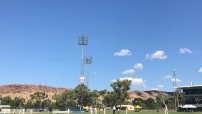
(124, 105)
(187, 87)
(5, 106)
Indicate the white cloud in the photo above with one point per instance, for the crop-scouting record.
(177, 80)
(129, 71)
(144, 86)
(123, 52)
(200, 70)
(160, 86)
(135, 81)
(138, 66)
(185, 50)
(155, 89)
(157, 55)
(113, 81)
(138, 82)
(168, 76)
(173, 79)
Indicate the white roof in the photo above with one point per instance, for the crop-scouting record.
(5, 106)
(124, 105)
(193, 86)
(188, 106)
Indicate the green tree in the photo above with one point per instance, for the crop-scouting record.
(121, 90)
(29, 104)
(66, 99)
(45, 103)
(6, 100)
(95, 101)
(82, 95)
(18, 102)
(170, 101)
(150, 103)
(159, 103)
(37, 99)
(103, 92)
(109, 99)
(181, 97)
(138, 101)
(166, 100)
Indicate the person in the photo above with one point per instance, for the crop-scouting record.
(95, 109)
(114, 109)
(68, 111)
(104, 110)
(23, 111)
(91, 110)
(118, 110)
(166, 109)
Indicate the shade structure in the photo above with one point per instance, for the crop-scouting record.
(138, 106)
(188, 106)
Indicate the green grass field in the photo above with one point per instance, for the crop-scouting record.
(123, 112)
(152, 112)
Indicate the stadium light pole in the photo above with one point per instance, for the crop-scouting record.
(82, 40)
(88, 60)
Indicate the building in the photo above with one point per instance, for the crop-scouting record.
(189, 98)
(124, 107)
(5, 108)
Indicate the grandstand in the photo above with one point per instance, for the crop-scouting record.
(190, 98)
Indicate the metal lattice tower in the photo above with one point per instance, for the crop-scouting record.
(88, 60)
(82, 40)
(175, 90)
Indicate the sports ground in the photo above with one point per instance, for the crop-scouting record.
(129, 112)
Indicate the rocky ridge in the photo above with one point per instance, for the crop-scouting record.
(24, 91)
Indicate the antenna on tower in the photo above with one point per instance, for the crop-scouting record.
(82, 40)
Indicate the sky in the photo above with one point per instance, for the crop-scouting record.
(144, 41)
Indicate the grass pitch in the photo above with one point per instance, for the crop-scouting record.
(124, 112)
(151, 112)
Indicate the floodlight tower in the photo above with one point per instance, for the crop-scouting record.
(82, 40)
(88, 60)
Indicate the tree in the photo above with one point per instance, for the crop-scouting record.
(150, 104)
(66, 99)
(121, 90)
(38, 98)
(6, 100)
(159, 103)
(18, 102)
(82, 95)
(29, 104)
(138, 101)
(103, 92)
(94, 95)
(181, 97)
(109, 99)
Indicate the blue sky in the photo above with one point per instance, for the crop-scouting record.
(141, 40)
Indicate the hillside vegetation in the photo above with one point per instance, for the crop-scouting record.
(24, 91)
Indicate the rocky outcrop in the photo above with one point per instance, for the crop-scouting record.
(24, 91)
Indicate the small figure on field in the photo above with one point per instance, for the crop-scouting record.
(166, 109)
(114, 109)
